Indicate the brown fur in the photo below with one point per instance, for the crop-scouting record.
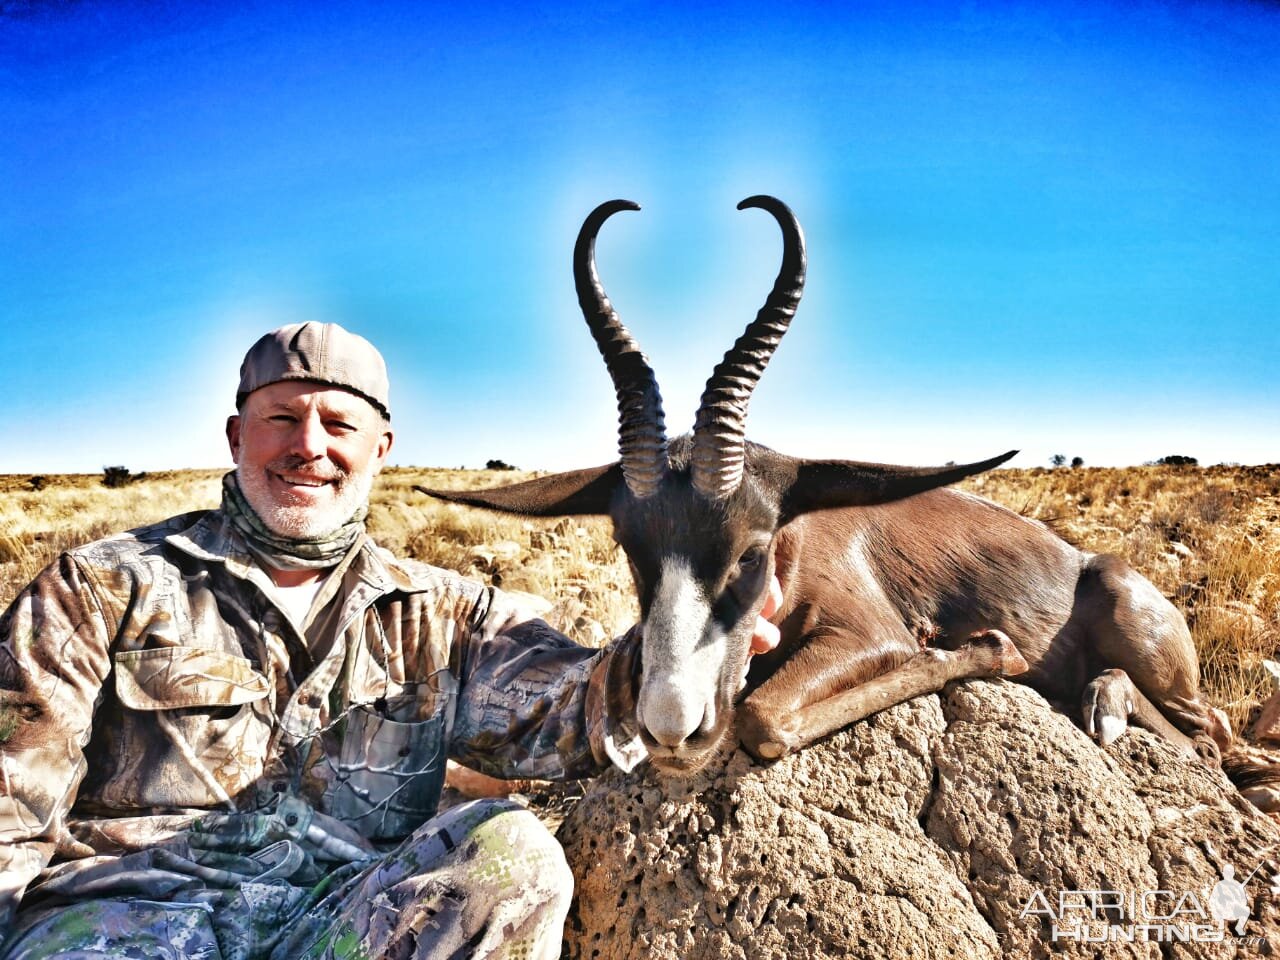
(862, 585)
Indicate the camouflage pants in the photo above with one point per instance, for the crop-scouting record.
(483, 880)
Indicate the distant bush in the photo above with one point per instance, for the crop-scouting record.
(1077, 462)
(1058, 459)
(499, 465)
(119, 477)
(1177, 460)
(38, 483)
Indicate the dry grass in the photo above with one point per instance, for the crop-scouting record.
(1209, 538)
(37, 525)
(572, 563)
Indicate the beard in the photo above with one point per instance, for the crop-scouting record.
(305, 521)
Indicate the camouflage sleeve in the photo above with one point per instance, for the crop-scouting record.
(532, 703)
(54, 655)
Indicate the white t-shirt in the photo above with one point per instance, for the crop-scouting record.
(297, 601)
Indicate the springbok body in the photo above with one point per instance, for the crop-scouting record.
(871, 589)
(892, 584)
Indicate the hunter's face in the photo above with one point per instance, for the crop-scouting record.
(306, 455)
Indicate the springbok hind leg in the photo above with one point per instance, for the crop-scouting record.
(1111, 700)
(1134, 629)
(988, 654)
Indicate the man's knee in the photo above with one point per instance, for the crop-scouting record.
(514, 847)
(114, 928)
(486, 878)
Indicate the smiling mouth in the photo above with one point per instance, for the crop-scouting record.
(294, 480)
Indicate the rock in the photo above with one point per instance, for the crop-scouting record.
(1188, 592)
(590, 632)
(488, 554)
(529, 605)
(506, 549)
(473, 785)
(1267, 727)
(946, 826)
(543, 540)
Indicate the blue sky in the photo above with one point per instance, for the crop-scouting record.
(1050, 226)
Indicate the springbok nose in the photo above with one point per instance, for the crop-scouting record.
(672, 714)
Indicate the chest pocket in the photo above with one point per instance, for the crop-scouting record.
(392, 761)
(196, 722)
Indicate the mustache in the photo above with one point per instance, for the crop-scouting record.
(293, 464)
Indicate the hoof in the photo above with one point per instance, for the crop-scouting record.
(1207, 750)
(998, 651)
(1110, 729)
(1107, 705)
(760, 738)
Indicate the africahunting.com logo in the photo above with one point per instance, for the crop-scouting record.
(1161, 916)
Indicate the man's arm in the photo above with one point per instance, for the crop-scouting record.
(533, 703)
(54, 656)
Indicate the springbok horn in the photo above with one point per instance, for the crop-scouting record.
(642, 431)
(719, 432)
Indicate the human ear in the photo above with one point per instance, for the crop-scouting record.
(233, 436)
(383, 448)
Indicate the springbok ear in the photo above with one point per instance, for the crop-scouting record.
(588, 491)
(824, 484)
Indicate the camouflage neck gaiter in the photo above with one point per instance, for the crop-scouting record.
(288, 553)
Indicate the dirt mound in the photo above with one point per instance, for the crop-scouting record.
(955, 825)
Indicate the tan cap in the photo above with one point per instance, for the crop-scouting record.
(323, 352)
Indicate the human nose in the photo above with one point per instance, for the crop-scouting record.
(308, 439)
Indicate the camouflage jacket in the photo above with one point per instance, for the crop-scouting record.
(150, 678)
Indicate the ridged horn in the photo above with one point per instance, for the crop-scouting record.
(642, 431)
(719, 432)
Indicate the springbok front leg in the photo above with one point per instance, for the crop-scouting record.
(779, 718)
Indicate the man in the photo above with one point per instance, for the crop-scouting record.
(232, 726)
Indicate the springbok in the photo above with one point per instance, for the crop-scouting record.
(892, 585)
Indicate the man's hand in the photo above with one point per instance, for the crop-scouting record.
(765, 636)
